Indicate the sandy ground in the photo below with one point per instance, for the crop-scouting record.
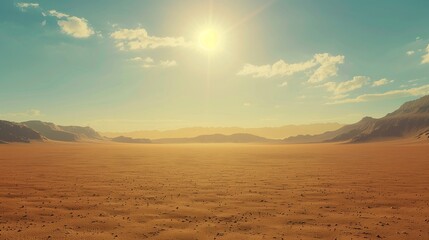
(125, 191)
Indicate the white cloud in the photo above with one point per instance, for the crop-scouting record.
(340, 89)
(56, 14)
(23, 6)
(418, 91)
(140, 59)
(134, 39)
(327, 67)
(76, 27)
(411, 52)
(72, 25)
(150, 63)
(246, 104)
(168, 63)
(283, 84)
(425, 58)
(381, 82)
(279, 68)
(415, 80)
(135, 59)
(149, 60)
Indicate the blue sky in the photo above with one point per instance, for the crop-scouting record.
(129, 65)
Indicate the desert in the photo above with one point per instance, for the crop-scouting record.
(214, 191)
(214, 119)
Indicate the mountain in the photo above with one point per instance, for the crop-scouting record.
(15, 132)
(123, 139)
(63, 133)
(51, 131)
(82, 132)
(343, 134)
(410, 120)
(266, 132)
(218, 138)
(416, 107)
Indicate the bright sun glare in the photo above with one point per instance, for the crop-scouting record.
(209, 39)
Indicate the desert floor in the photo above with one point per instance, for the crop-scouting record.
(214, 191)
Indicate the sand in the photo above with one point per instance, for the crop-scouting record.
(214, 191)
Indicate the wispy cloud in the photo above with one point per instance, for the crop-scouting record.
(72, 25)
(381, 82)
(140, 59)
(76, 27)
(411, 52)
(417, 91)
(283, 84)
(134, 39)
(24, 5)
(168, 63)
(22, 115)
(425, 58)
(327, 66)
(149, 62)
(340, 89)
(57, 14)
(279, 68)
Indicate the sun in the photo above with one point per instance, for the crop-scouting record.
(209, 40)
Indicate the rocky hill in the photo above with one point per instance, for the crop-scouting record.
(63, 133)
(16, 132)
(409, 121)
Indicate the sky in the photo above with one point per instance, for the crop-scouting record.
(131, 65)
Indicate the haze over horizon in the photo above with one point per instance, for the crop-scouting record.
(121, 66)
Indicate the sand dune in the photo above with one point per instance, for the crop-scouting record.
(219, 191)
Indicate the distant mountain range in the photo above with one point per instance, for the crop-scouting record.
(266, 132)
(411, 120)
(123, 139)
(219, 138)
